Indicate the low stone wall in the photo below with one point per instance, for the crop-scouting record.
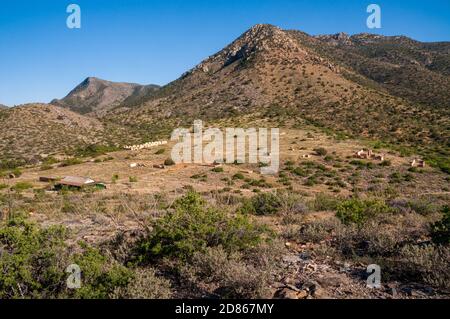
(145, 146)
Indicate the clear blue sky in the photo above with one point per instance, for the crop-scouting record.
(155, 41)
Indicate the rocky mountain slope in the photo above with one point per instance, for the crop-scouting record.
(3, 106)
(271, 70)
(98, 96)
(419, 72)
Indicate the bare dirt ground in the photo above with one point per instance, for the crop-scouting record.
(294, 145)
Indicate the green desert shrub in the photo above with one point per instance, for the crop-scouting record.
(318, 230)
(357, 211)
(10, 164)
(30, 260)
(362, 164)
(386, 163)
(233, 276)
(440, 231)
(369, 239)
(217, 170)
(33, 263)
(259, 183)
(114, 178)
(236, 274)
(94, 150)
(21, 186)
(324, 202)
(101, 275)
(192, 226)
(300, 172)
(133, 179)
(71, 162)
(169, 162)
(145, 284)
(263, 204)
(49, 160)
(16, 172)
(423, 206)
(428, 264)
(160, 151)
(379, 237)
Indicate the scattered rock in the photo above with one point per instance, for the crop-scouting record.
(417, 294)
(302, 294)
(305, 255)
(310, 285)
(286, 293)
(310, 267)
(293, 288)
(331, 281)
(392, 292)
(292, 259)
(320, 293)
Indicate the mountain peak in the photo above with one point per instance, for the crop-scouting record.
(263, 27)
(91, 79)
(98, 96)
(260, 39)
(261, 32)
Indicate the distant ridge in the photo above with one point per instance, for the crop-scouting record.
(417, 71)
(98, 96)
